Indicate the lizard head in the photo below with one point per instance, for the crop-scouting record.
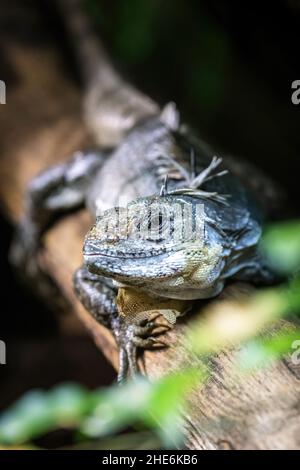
(160, 244)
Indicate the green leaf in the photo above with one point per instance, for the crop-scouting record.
(167, 400)
(262, 351)
(281, 244)
(38, 412)
(68, 403)
(155, 404)
(29, 417)
(227, 323)
(116, 407)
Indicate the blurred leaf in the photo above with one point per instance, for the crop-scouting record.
(69, 402)
(103, 412)
(261, 352)
(116, 407)
(154, 404)
(229, 322)
(291, 294)
(226, 323)
(168, 399)
(29, 417)
(281, 243)
(38, 412)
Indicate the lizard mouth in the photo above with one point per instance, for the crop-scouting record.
(121, 256)
(93, 251)
(169, 271)
(131, 266)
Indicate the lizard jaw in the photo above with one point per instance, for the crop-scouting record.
(181, 274)
(135, 269)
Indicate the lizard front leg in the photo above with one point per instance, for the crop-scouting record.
(144, 319)
(54, 191)
(138, 334)
(99, 296)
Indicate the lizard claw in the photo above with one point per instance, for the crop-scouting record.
(151, 329)
(130, 338)
(149, 343)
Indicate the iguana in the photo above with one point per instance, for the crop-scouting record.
(172, 221)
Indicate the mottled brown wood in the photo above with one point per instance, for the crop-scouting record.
(41, 125)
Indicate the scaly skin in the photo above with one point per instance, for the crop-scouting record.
(225, 227)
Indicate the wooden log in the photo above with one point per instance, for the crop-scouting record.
(40, 125)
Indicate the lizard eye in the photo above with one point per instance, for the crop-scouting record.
(155, 221)
(158, 226)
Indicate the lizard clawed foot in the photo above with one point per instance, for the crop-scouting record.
(150, 329)
(130, 338)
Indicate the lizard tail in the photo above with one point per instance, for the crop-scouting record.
(112, 106)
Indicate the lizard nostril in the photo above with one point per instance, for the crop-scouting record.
(111, 238)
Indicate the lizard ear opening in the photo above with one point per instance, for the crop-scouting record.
(170, 116)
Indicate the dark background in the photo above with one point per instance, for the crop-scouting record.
(228, 66)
